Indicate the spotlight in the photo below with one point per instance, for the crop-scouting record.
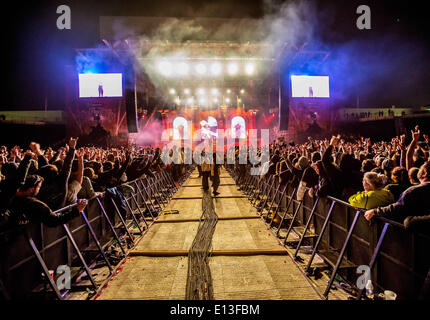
(215, 100)
(200, 91)
(232, 69)
(165, 68)
(227, 100)
(242, 91)
(228, 91)
(178, 101)
(239, 100)
(190, 100)
(202, 100)
(183, 68)
(172, 91)
(201, 69)
(249, 68)
(216, 69)
(187, 91)
(214, 91)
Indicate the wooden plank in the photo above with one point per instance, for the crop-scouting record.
(236, 252)
(197, 219)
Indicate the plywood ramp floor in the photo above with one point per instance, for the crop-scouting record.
(234, 277)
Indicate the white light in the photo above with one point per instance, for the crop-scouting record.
(190, 100)
(165, 68)
(238, 100)
(242, 91)
(216, 68)
(183, 68)
(227, 100)
(215, 100)
(232, 69)
(202, 100)
(228, 91)
(249, 68)
(214, 91)
(172, 91)
(187, 91)
(201, 69)
(178, 101)
(200, 91)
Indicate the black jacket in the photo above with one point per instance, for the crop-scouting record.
(413, 207)
(32, 210)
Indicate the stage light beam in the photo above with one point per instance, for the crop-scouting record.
(249, 69)
(183, 69)
(216, 69)
(165, 68)
(232, 69)
(201, 69)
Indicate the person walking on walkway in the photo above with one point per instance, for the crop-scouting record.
(206, 171)
(215, 173)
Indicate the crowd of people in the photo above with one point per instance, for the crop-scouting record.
(36, 182)
(386, 178)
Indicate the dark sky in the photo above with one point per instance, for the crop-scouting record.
(35, 51)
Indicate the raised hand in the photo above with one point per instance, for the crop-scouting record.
(72, 142)
(82, 203)
(416, 135)
(80, 153)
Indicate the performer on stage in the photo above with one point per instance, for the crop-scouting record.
(100, 90)
(205, 132)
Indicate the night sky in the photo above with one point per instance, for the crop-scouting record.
(35, 52)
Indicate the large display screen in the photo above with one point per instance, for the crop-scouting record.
(310, 87)
(100, 85)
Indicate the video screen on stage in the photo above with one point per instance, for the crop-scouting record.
(310, 87)
(100, 85)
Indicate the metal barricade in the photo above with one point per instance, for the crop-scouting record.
(344, 240)
(85, 240)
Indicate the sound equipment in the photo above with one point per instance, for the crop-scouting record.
(284, 101)
(131, 101)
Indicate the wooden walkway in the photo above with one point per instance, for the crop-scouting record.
(261, 269)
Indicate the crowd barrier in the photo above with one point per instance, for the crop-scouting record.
(102, 235)
(338, 233)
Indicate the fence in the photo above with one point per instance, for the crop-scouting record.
(102, 234)
(342, 237)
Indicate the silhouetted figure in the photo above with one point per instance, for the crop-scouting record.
(100, 91)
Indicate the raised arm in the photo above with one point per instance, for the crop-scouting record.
(411, 149)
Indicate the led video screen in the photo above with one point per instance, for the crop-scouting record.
(310, 87)
(100, 85)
